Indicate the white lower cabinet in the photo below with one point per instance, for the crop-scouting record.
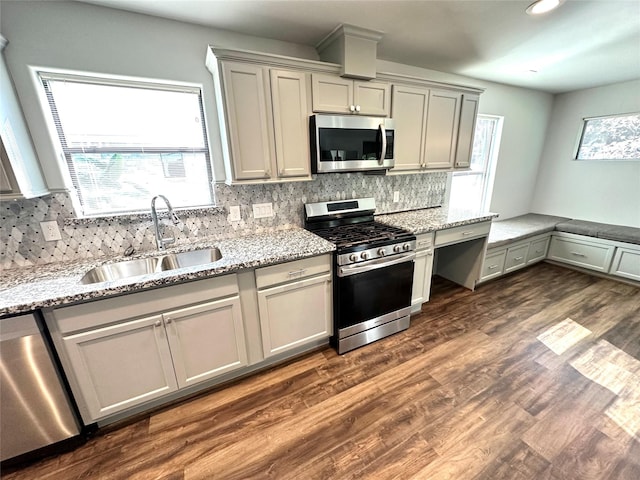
(295, 306)
(514, 256)
(626, 262)
(206, 340)
(585, 252)
(125, 351)
(120, 366)
(423, 270)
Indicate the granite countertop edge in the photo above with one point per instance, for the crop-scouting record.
(26, 289)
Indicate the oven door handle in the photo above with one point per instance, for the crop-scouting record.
(375, 264)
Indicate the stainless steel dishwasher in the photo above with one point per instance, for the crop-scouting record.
(35, 410)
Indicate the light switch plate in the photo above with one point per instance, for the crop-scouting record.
(396, 196)
(234, 213)
(50, 231)
(262, 210)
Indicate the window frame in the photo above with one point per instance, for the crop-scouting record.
(580, 137)
(489, 171)
(65, 162)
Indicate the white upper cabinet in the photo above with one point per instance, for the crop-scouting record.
(264, 117)
(466, 130)
(409, 112)
(290, 119)
(442, 128)
(20, 173)
(334, 94)
(248, 124)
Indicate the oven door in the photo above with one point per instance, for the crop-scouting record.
(372, 293)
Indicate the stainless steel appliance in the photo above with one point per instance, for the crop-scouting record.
(34, 407)
(373, 271)
(341, 143)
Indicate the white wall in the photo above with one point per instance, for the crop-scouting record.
(600, 191)
(78, 36)
(526, 114)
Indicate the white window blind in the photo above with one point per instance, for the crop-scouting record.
(126, 142)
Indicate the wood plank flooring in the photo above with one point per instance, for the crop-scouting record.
(468, 392)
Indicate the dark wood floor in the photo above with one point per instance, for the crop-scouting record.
(468, 392)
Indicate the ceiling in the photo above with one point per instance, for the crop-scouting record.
(584, 43)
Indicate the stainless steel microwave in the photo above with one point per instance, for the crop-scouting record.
(341, 143)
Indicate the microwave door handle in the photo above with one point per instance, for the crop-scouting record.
(383, 152)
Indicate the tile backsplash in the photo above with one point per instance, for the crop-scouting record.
(22, 242)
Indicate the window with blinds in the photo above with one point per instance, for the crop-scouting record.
(125, 142)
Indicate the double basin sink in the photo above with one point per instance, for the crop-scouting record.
(144, 266)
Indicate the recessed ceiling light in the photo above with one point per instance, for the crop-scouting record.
(543, 6)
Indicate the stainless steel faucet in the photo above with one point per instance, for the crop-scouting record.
(160, 241)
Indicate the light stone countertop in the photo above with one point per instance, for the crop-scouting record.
(26, 289)
(432, 219)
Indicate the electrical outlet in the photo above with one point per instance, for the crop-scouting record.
(234, 214)
(50, 231)
(262, 210)
(396, 196)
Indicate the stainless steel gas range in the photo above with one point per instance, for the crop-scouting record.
(373, 271)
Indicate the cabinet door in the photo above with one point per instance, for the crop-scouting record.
(372, 98)
(466, 129)
(538, 250)
(626, 263)
(206, 340)
(409, 112)
(121, 366)
(331, 94)
(248, 120)
(442, 129)
(291, 123)
(294, 314)
(422, 273)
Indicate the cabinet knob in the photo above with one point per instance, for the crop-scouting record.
(352, 108)
(168, 320)
(357, 108)
(158, 323)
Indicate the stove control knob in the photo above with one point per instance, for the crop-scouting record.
(364, 255)
(406, 247)
(353, 257)
(382, 252)
(397, 248)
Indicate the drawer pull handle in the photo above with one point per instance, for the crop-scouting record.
(578, 254)
(297, 273)
(492, 267)
(425, 242)
(517, 259)
(469, 232)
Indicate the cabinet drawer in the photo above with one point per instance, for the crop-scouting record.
(626, 263)
(424, 241)
(592, 255)
(493, 265)
(516, 258)
(538, 250)
(285, 272)
(462, 233)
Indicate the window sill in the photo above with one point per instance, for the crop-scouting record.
(138, 216)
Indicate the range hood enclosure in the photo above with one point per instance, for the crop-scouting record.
(354, 48)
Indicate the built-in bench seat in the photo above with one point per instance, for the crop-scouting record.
(504, 232)
(517, 242)
(617, 233)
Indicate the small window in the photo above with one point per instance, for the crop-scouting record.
(125, 142)
(473, 188)
(616, 137)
